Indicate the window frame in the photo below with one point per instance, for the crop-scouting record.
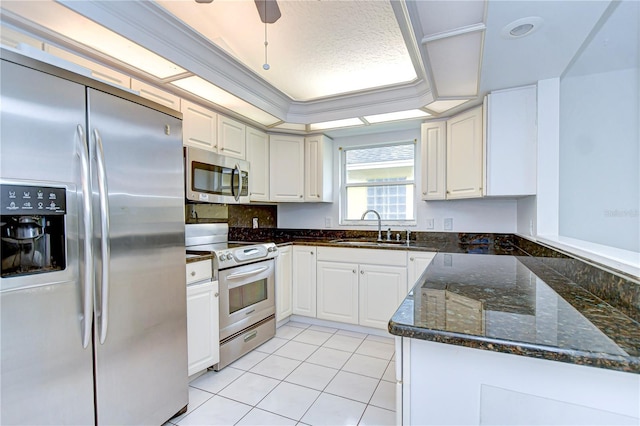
(371, 219)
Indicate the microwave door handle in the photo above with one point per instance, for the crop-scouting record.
(236, 170)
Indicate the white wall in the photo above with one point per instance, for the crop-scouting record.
(474, 215)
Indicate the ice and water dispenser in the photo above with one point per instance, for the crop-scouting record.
(33, 229)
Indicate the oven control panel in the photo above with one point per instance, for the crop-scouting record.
(247, 254)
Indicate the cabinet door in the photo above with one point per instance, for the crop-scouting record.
(417, 262)
(258, 157)
(98, 71)
(202, 326)
(382, 288)
(284, 282)
(465, 155)
(198, 126)
(434, 160)
(231, 138)
(286, 159)
(338, 291)
(157, 95)
(304, 281)
(318, 169)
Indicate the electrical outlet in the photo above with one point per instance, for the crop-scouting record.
(430, 224)
(255, 223)
(448, 223)
(328, 223)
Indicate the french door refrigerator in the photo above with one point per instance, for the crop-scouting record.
(93, 324)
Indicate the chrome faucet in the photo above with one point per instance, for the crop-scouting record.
(379, 222)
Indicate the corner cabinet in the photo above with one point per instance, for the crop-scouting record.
(231, 138)
(304, 280)
(258, 158)
(286, 165)
(465, 155)
(417, 262)
(382, 289)
(199, 126)
(284, 283)
(318, 169)
(511, 146)
(434, 160)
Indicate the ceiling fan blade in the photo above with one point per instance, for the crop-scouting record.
(268, 10)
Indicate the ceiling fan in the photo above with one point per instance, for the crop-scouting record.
(267, 9)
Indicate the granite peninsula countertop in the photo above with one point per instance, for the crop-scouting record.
(518, 305)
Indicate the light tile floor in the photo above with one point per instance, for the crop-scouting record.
(305, 375)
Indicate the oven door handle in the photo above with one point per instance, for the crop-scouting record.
(239, 275)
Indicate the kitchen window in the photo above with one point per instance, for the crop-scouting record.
(381, 178)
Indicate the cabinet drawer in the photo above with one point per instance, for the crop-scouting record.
(198, 271)
(370, 256)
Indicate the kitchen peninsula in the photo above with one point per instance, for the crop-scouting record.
(489, 339)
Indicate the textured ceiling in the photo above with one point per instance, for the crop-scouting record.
(316, 49)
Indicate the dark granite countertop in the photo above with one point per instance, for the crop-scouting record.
(518, 305)
(197, 256)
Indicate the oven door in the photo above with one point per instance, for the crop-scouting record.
(246, 296)
(215, 178)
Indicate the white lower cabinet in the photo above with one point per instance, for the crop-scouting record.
(382, 288)
(284, 282)
(304, 280)
(337, 295)
(360, 286)
(417, 262)
(203, 342)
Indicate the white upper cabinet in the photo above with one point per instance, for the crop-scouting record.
(465, 155)
(258, 157)
(286, 164)
(157, 95)
(98, 71)
(434, 160)
(511, 142)
(231, 137)
(198, 126)
(318, 169)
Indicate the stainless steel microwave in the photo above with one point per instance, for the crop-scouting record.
(214, 178)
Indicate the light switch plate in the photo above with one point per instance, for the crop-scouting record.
(430, 224)
(328, 223)
(255, 223)
(448, 223)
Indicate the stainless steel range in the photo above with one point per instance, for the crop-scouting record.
(246, 275)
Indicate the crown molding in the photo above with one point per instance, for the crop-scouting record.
(167, 36)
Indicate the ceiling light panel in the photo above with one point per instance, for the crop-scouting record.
(69, 24)
(445, 105)
(212, 93)
(444, 16)
(455, 64)
(335, 47)
(395, 116)
(348, 122)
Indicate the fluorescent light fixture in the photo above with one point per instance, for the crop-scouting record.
(212, 93)
(347, 122)
(456, 75)
(445, 105)
(394, 116)
(64, 21)
(291, 126)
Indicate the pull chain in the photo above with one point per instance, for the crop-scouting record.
(266, 43)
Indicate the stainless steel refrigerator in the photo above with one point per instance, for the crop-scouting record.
(92, 294)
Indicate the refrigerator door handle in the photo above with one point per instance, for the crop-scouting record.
(104, 242)
(88, 282)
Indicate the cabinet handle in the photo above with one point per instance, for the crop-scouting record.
(301, 196)
(362, 272)
(411, 259)
(311, 253)
(424, 193)
(216, 295)
(354, 271)
(193, 273)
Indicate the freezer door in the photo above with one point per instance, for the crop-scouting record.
(46, 373)
(141, 320)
